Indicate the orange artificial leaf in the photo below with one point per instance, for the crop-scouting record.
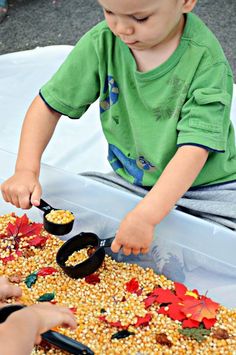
(198, 309)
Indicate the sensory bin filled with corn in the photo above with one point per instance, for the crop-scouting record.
(122, 308)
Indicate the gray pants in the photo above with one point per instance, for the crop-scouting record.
(213, 203)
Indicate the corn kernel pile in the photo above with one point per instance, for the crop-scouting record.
(60, 216)
(91, 301)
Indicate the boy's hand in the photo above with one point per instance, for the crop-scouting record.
(8, 290)
(44, 317)
(22, 189)
(135, 235)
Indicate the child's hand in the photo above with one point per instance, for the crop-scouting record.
(135, 235)
(8, 290)
(22, 189)
(43, 317)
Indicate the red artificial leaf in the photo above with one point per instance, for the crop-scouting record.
(7, 258)
(144, 321)
(37, 241)
(189, 323)
(11, 257)
(23, 226)
(44, 271)
(165, 296)
(113, 324)
(208, 323)
(132, 286)
(92, 279)
(149, 301)
(175, 313)
(197, 309)
(180, 289)
(163, 310)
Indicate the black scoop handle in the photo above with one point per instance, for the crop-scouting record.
(105, 243)
(44, 206)
(66, 343)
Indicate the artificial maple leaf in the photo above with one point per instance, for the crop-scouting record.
(182, 292)
(162, 339)
(165, 296)
(113, 324)
(208, 323)
(37, 241)
(144, 321)
(92, 279)
(48, 270)
(175, 313)
(220, 334)
(189, 323)
(23, 226)
(149, 301)
(198, 309)
(132, 286)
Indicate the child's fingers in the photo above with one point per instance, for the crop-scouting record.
(10, 291)
(69, 321)
(38, 339)
(35, 197)
(144, 250)
(115, 246)
(136, 251)
(127, 251)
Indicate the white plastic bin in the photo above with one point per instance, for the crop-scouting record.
(186, 248)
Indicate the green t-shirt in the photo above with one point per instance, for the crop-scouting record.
(146, 116)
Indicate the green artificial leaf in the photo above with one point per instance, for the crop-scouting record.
(122, 334)
(31, 279)
(197, 334)
(46, 297)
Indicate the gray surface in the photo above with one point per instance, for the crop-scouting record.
(32, 23)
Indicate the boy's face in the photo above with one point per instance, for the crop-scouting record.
(143, 24)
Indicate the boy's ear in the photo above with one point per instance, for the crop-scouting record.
(188, 5)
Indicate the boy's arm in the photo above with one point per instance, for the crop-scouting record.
(17, 337)
(23, 328)
(136, 231)
(23, 188)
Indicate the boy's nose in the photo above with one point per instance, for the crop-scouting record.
(124, 28)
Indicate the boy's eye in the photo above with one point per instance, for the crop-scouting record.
(108, 12)
(141, 19)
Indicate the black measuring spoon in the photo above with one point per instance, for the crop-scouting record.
(78, 242)
(61, 341)
(54, 228)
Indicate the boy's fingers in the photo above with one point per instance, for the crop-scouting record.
(144, 250)
(10, 291)
(115, 246)
(69, 321)
(126, 251)
(136, 251)
(35, 197)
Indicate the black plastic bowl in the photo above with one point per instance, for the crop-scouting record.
(54, 228)
(78, 242)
